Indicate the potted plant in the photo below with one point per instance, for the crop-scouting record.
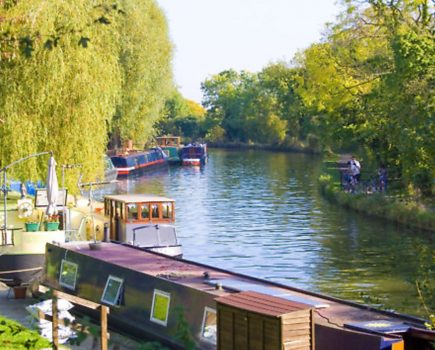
(52, 222)
(32, 222)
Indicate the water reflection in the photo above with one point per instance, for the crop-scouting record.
(260, 213)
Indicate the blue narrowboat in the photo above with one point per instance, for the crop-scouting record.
(131, 162)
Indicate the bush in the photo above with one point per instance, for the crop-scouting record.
(15, 336)
(409, 212)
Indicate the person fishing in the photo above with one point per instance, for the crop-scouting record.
(355, 168)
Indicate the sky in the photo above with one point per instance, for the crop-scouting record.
(211, 36)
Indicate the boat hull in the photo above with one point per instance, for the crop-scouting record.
(191, 290)
(194, 155)
(193, 162)
(16, 269)
(127, 171)
(136, 162)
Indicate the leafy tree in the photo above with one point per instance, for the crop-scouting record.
(182, 117)
(59, 98)
(68, 68)
(145, 59)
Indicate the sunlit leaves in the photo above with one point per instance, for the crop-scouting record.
(65, 74)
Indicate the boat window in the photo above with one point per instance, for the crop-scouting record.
(167, 210)
(132, 211)
(118, 207)
(160, 307)
(145, 211)
(112, 290)
(154, 211)
(209, 325)
(68, 274)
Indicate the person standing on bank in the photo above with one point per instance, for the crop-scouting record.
(356, 168)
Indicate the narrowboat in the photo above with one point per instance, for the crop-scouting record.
(133, 161)
(171, 145)
(110, 172)
(145, 221)
(195, 154)
(187, 304)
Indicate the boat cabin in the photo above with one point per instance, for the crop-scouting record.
(128, 213)
(164, 141)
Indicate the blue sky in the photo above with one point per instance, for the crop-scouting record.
(214, 35)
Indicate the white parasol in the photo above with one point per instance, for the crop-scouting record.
(52, 187)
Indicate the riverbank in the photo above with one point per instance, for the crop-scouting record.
(397, 208)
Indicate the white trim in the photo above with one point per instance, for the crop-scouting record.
(163, 294)
(206, 310)
(118, 293)
(126, 169)
(63, 284)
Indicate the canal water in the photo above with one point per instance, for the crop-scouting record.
(260, 213)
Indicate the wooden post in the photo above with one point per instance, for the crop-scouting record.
(104, 312)
(55, 323)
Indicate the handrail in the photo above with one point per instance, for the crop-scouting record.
(4, 187)
(5, 240)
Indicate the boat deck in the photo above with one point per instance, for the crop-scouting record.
(328, 310)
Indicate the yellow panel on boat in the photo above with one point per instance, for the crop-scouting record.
(400, 345)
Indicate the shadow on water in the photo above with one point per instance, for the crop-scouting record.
(260, 213)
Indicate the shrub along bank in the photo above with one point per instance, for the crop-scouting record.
(404, 211)
(15, 336)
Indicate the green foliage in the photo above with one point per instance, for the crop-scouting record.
(369, 84)
(406, 212)
(246, 106)
(74, 71)
(183, 332)
(14, 336)
(145, 57)
(182, 117)
(152, 346)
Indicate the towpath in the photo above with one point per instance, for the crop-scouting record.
(15, 309)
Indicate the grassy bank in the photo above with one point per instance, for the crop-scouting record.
(403, 211)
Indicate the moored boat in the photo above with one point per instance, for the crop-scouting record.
(194, 154)
(145, 221)
(134, 161)
(110, 172)
(171, 145)
(154, 295)
(25, 226)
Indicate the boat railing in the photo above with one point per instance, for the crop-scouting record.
(7, 237)
(80, 233)
(73, 235)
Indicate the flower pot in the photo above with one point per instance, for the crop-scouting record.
(32, 226)
(20, 292)
(51, 226)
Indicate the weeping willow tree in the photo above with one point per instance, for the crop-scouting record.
(146, 55)
(65, 74)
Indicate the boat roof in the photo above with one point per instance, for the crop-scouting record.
(138, 198)
(221, 282)
(261, 303)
